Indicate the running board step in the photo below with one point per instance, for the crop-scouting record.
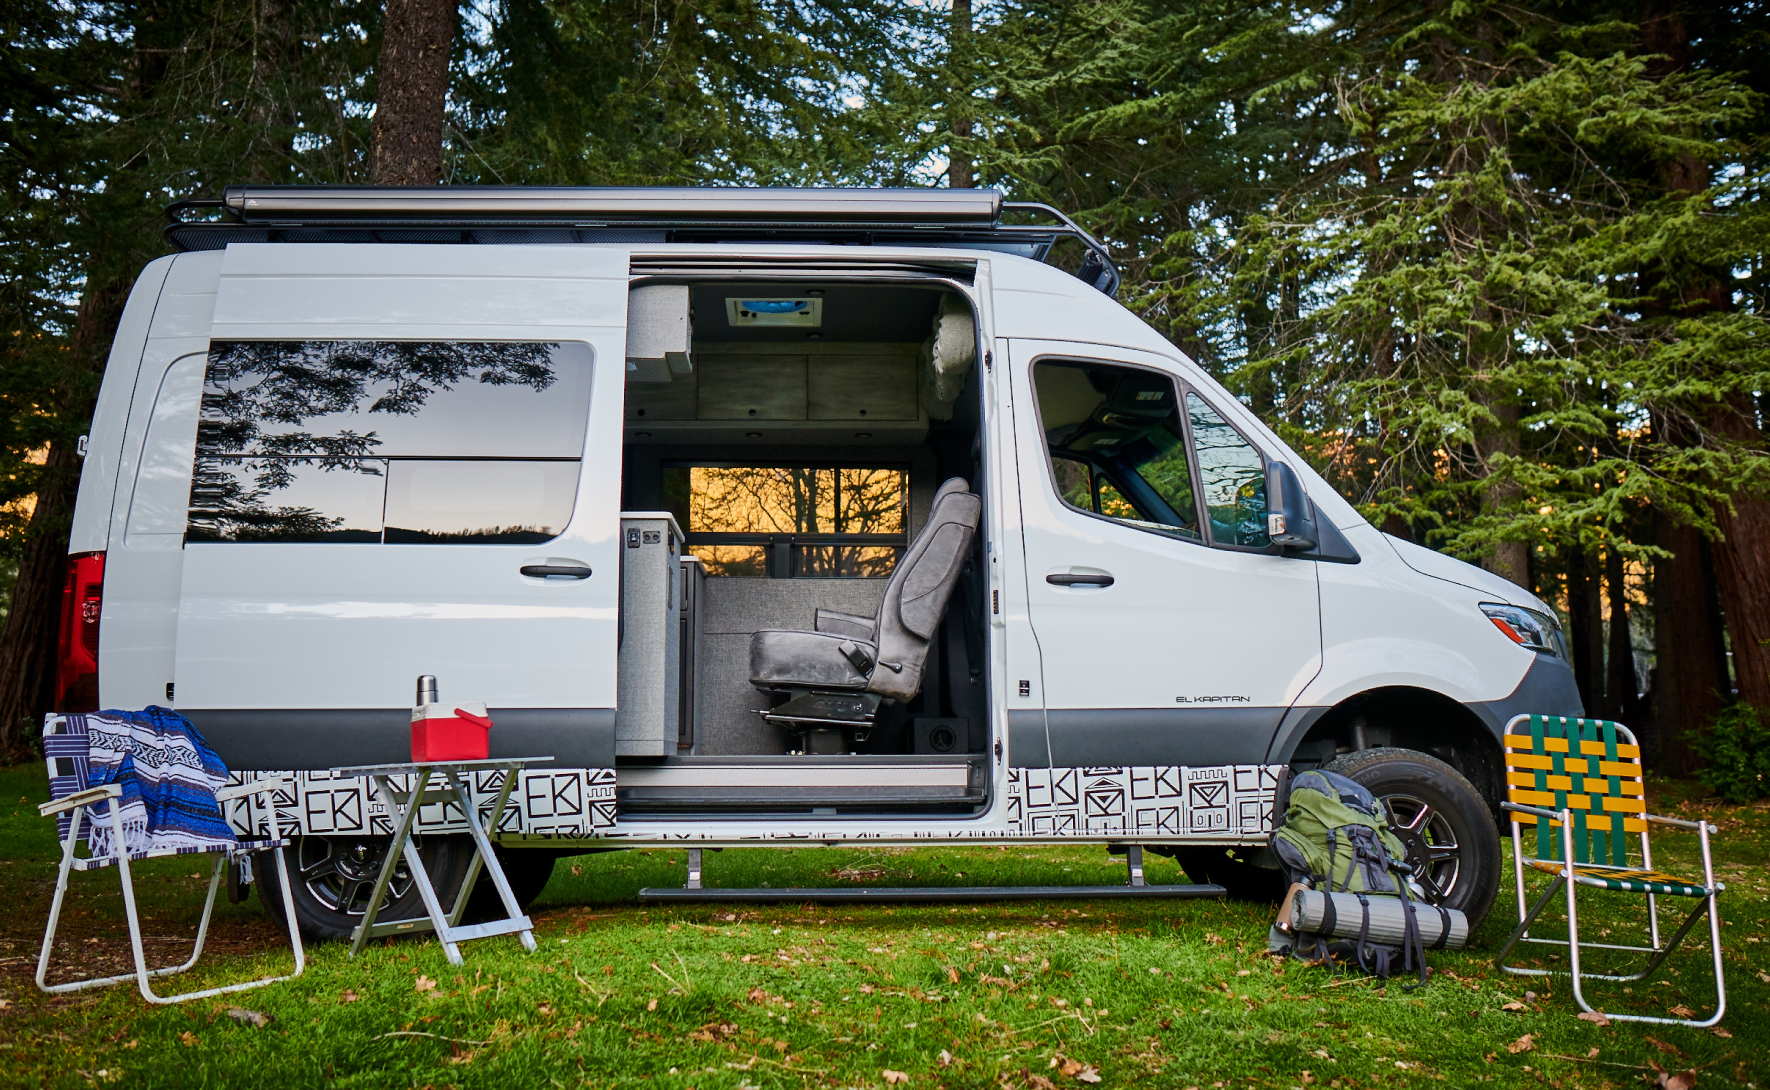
(881, 894)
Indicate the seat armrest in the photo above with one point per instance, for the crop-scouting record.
(1537, 810)
(1680, 822)
(241, 790)
(81, 798)
(837, 623)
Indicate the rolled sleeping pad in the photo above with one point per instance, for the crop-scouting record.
(1309, 912)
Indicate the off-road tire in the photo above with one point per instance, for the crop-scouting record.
(317, 894)
(1466, 866)
(526, 869)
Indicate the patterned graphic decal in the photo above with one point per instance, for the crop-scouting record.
(562, 802)
(1170, 800)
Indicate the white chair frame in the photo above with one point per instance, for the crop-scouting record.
(79, 803)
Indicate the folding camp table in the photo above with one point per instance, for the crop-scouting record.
(403, 807)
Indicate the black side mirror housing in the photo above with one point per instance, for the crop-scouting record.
(1290, 519)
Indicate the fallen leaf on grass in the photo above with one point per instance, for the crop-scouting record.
(1595, 1017)
(945, 1059)
(1522, 1044)
(1213, 940)
(1663, 1046)
(254, 1018)
(713, 1031)
(952, 974)
(1721, 1031)
(1683, 1080)
(1682, 1011)
(188, 1039)
(544, 1009)
(425, 984)
(460, 1057)
(895, 1076)
(1514, 1005)
(348, 996)
(651, 1004)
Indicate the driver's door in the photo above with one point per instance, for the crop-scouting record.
(1172, 632)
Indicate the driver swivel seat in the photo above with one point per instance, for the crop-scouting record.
(835, 678)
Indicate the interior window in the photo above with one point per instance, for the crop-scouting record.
(785, 521)
(1233, 476)
(402, 442)
(1116, 444)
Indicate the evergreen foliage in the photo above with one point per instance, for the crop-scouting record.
(1496, 268)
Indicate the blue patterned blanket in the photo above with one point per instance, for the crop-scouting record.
(169, 777)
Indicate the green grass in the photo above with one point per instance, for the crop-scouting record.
(1168, 994)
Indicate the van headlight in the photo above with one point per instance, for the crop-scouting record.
(1527, 628)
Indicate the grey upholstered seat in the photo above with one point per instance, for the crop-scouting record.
(880, 655)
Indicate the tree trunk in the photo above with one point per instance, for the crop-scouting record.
(28, 642)
(1510, 559)
(1690, 681)
(406, 139)
(958, 170)
(1742, 571)
(1621, 690)
(1586, 632)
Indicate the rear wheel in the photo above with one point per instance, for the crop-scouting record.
(332, 878)
(1441, 820)
(526, 869)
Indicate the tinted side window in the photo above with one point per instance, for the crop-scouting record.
(1233, 476)
(397, 441)
(1116, 444)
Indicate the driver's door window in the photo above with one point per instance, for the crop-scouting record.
(1116, 444)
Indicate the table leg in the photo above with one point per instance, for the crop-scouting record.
(493, 870)
(476, 863)
(402, 832)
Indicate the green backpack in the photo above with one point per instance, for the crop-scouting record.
(1336, 839)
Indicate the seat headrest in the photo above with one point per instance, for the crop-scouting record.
(954, 486)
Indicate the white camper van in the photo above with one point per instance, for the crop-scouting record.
(773, 516)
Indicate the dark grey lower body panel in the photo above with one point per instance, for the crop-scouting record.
(891, 894)
(1097, 737)
(1547, 688)
(303, 740)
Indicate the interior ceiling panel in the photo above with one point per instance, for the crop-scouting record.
(852, 313)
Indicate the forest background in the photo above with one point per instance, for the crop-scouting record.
(1498, 269)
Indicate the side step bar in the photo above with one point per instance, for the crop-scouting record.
(895, 894)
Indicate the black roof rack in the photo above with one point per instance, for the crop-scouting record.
(968, 218)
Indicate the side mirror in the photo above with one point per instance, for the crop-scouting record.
(1290, 520)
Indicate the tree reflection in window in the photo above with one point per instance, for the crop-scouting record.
(293, 437)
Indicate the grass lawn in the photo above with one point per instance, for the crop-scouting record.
(1167, 994)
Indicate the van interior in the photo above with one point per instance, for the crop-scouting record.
(789, 447)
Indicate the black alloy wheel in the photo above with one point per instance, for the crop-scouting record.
(1449, 834)
(332, 879)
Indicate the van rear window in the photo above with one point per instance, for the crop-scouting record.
(785, 521)
(403, 442)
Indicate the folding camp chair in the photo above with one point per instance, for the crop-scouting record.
(1589, 772)
(66, 748)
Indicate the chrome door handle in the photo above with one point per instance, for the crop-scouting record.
(1072, 580)
(542, 571)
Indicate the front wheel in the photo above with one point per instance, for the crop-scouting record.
(1441, 820)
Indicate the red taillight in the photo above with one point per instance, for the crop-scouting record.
(76, 664)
